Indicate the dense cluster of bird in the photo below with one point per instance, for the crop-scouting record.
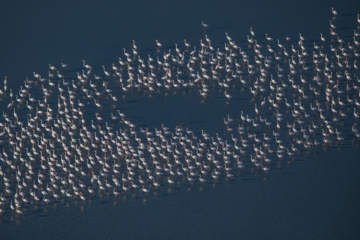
(56, 142)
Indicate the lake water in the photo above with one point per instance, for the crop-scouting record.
(315, 196)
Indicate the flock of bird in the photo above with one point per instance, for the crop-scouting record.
(56, 141)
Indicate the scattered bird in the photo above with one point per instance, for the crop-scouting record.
(60, 140)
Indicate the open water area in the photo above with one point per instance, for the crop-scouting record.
(238, 135)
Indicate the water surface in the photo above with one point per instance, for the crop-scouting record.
(315, 197)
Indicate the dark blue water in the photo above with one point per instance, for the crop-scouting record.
(315, 197)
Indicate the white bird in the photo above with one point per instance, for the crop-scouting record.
(204, 24)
